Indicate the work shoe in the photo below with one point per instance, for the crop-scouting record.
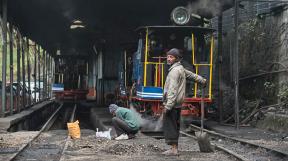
(131, 136)
(171, 152)
(122, 137)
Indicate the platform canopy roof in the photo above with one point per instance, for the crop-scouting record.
(48, 22)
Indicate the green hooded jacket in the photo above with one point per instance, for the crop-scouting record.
(129, 117)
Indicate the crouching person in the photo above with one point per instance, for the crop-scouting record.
(124, 121)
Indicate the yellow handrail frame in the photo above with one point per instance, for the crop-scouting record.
(197, 65)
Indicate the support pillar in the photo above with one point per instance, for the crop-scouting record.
(29, 72)
(35, 73)
(24, 98)
(11, 68)
(220, 60)
(18, 69)
(39, 78)
(236, 65)
(43, 74)
(4, 56)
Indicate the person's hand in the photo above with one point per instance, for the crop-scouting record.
(204, 83)
(164, 110)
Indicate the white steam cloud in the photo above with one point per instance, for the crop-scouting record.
(212, 7)
(147, 124)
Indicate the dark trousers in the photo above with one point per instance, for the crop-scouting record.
(121, 127)
(171, 126)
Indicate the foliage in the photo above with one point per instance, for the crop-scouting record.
(253, 29)
(283, 93)
(14, 44)
(269, 86)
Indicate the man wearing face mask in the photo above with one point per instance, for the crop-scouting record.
(174, 93)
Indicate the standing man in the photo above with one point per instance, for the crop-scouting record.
(174, 93)
(124, 121)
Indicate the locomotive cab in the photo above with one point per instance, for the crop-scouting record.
(150, 69)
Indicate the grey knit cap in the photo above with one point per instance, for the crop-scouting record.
(112, 108)
(175, 52)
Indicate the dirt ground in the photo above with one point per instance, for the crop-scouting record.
(142, 148)
(49, 146)
(258, 136)
(10, 143)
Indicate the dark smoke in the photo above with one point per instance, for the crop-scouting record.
(209, 8)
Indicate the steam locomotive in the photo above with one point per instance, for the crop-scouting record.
(142, 73)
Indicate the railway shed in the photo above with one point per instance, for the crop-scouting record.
(67, 60)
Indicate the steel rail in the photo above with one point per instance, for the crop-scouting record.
(275, 151)
(220, 148)
(72, 118)
(237, 156)
(22, 148)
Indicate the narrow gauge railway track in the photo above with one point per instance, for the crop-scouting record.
(38, 135)
(233, 154)
(68, 139)
(241, 149)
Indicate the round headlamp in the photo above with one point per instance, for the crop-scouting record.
(180, 15)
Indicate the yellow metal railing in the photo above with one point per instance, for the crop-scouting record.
(157, 66)
(146, 57)
(210, 65)
(158, 75)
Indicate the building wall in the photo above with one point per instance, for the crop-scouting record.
(107, 73)
(263, 57)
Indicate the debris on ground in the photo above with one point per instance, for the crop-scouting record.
(16, 138)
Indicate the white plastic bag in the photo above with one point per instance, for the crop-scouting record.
(104, 134)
